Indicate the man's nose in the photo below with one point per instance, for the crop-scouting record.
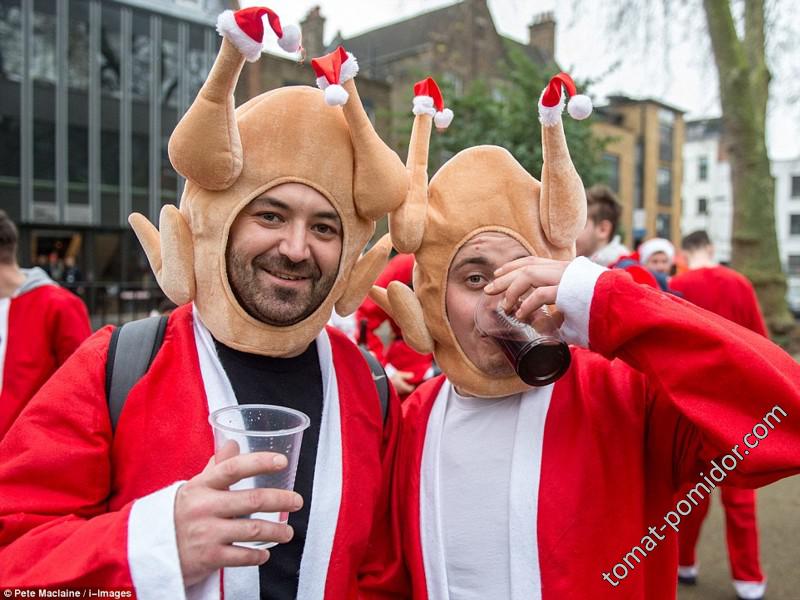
(294, 244)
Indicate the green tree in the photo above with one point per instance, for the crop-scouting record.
(505, 114)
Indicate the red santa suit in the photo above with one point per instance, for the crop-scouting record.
(81, 507)
(40, 326)
(398, 356)
(599, 456)
(729, 294)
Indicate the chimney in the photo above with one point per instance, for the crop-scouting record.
(542, 34)
(313, 28)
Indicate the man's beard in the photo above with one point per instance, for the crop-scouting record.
(274, 304)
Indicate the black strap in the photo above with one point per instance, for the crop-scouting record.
(131, 351)
(381, 381)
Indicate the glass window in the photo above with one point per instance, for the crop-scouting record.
(638, 195)
(702, 168)
(10, 75)
(795, 186)
(169, 106)
(10, 40)
(665, 142)
(793, 264)
(197, 62)
(702, 206)
(78, 109)
(110, 41)
(664, 225)
(611, 162)
(794, 224)
(141, 74)
(664, 186)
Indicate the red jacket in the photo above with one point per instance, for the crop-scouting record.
(666, 388)
(45, 325)
(69, 487)
(722, 291)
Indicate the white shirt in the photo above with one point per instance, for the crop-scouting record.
(475, 465)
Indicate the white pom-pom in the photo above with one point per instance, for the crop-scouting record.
(291, 40)
(579, 107)
(443, 118)
(336, 95)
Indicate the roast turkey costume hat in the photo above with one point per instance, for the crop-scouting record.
(481, 189)
(231, 156)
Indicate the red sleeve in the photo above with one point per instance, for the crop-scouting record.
(723, 379)
(69, 325)
(384, 575)
(753, 318)
(55, 477)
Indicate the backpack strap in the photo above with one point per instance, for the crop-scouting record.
(380, 379)
(132, 349)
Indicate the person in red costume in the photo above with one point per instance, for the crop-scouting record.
(281, 197)
(565, 491)
(729, 294)
(41, 325)
(406, 367)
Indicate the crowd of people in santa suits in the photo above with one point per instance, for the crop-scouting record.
(539, 493)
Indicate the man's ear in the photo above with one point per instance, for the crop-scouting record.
(606, 228)
(399, 302)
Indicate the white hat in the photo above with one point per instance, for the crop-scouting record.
(650, 247)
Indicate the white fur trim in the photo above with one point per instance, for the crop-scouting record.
(750, 590)
(579, 107)
(550, 115)
(229, 29)
(152, 546)
(524, 569)
(349, 68)
(650, 247)
(423, 105)
(574, 299)
(5, 307)
(322, 82)
(687, 571)
(242, 583)
(292, 38)
(336, 95)
(324, 514)
(443, 118)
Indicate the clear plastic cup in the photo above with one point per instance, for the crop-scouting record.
(536, 351)
(262, 428)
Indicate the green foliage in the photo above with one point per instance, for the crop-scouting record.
(504, 112)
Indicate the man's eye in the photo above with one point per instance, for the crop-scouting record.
(324, 229)
(270, 217)
(476, 280)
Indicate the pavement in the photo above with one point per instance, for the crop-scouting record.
(779, 523)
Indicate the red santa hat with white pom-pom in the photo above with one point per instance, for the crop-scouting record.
(428, 101)
(245, 28)
(332, 70)
(551, 102)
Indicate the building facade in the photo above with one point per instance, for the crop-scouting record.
(708, 199)
(643, 154)
(90, 91)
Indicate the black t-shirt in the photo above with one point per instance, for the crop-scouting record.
(295, 383)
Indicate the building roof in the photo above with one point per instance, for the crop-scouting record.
(377, 47)
(620, 99)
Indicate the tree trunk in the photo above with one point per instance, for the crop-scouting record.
(743, 87)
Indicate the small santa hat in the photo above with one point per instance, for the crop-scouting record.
(428, 101)
(332, 70)
(551, 102)
(654, 246)
(245, 28)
